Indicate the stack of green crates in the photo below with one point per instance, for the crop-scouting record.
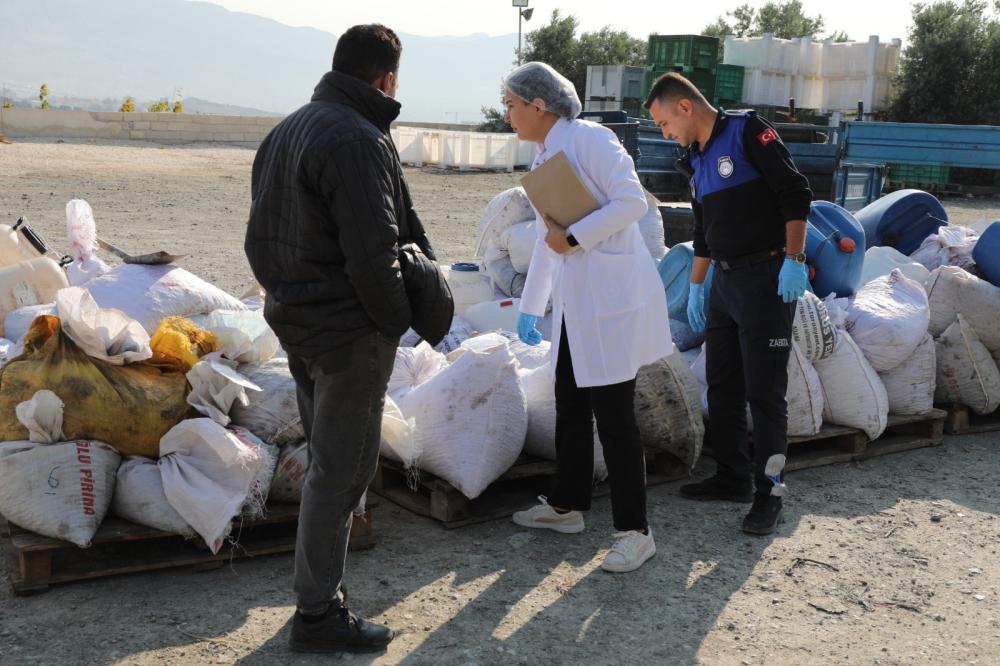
(728, 85)
(693, 56)
(693, 51)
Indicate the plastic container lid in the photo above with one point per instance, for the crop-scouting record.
(465, 267)
(847, 245)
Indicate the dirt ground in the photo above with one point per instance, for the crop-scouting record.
(889, 561)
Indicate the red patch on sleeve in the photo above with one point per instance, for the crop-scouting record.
(767, 136)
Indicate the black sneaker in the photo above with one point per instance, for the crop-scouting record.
(764, 516)
(338, 630)
(721, 488)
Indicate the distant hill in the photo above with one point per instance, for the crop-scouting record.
(110, 49)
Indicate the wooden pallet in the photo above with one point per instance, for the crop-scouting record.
(518, 488)
(835, 444)
(963, 421)
(120, 547)
(838, 444)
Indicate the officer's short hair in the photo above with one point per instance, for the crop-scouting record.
(367, 52)
(671, 87)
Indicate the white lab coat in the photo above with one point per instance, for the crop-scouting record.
(609, 294)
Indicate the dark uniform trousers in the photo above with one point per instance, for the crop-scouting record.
(747, 345)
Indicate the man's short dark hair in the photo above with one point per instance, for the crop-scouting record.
(367, 52)
(671, 87)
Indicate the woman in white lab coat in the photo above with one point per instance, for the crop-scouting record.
(609, 314)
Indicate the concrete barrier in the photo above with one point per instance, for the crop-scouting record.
(166, 128)
(418, 144)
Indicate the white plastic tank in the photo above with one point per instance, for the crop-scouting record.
(31, 282)
(499, 315)
(14, 248)
(469, 285)
(880, 260)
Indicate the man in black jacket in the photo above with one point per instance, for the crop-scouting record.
(345, 263)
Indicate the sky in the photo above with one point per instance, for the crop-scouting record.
(859, 18)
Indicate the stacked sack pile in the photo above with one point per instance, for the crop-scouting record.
(959, 268)
(899, 337)
(466, 410)
(126, 390)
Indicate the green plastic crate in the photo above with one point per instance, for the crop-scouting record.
(919, 174)
(704, 80)
(695, 51)
(729, 83)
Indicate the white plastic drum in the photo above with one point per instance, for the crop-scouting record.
(469, 285)
(32, 282)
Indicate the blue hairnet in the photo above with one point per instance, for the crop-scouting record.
(536, 80)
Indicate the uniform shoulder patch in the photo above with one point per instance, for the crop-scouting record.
(767, 136)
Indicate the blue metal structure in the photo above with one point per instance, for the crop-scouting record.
(971, 146)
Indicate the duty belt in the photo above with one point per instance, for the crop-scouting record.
(748, 260)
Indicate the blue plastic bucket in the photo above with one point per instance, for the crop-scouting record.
(835, 247)
(902, 219)
(986, 254)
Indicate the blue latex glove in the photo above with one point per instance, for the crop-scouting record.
(526, 329)
(792, 280)
(696, 307)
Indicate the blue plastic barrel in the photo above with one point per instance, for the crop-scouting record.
(902, 219)
(986, 254)
(675, 273)
(835, 247)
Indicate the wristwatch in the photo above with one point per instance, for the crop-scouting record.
(798, 257)
(573, 242)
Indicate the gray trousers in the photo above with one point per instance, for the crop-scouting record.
(341, 397)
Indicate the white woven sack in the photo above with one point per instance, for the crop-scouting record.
(804, 396)
(539, 390)
(273, 412)
(414, 366)
(667, 409)
(398, 442)
(853, 394)
(17, 322)
(528, 356)
(242, 336)
(290, 473)
(520, 242)
(60, 490)
(812, 328)
(910, 385)
(966, 373)
(260, 486)
(503, 211)
(139, 497)
(459, 332)
(531, 356)
(470, 419)
(888, 319)
(950, 246)
(951, 291)
(207, 473)
(150, 293)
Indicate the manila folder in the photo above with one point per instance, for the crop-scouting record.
(556, 190)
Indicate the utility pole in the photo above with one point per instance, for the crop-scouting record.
(522, 13)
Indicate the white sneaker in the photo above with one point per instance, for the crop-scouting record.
(543, 516)
(630, 551)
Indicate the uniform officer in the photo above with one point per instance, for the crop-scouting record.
(750, 205)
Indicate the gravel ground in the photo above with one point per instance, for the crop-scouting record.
(889, 561)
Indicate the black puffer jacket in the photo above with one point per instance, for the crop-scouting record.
(330, 211)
